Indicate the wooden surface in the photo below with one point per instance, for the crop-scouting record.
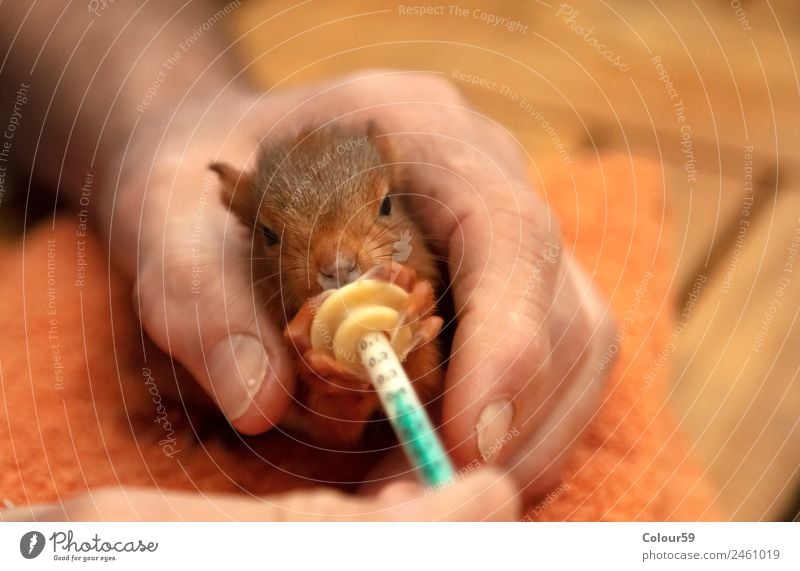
(734, 88)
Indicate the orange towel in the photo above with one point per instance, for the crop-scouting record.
(81, 385)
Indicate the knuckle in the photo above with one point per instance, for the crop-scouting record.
(428, 86)
(159, 297)
(531, 356)
(145, 299)
(531, 211)
(440, 89)
(526, 217)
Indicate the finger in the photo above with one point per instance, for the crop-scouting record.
(195, 296)
(298, 330)
(506, 267)
(576, 401)
(500, 370)
(517, 310)
(482, 496)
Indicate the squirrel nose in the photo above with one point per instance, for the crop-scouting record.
(340, 271)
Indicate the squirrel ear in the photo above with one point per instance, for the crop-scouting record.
(380, 141)
(236, 190)
(373, 129)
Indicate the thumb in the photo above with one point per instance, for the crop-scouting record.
(198, 304)
(484, 495)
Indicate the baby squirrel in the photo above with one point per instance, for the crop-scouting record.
(327, 206)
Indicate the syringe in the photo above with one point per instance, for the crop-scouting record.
(360, 326)
(411, 424)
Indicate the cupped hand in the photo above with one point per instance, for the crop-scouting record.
(521, 382)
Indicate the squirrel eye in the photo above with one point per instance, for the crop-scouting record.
(270, 236)
(386, 206)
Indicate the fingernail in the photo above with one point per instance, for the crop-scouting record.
(493, 425)
(236, 367)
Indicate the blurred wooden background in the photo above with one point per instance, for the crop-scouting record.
(731, 64)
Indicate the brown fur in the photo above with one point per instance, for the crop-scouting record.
(321, 191)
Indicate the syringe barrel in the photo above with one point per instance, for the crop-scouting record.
(404, 410)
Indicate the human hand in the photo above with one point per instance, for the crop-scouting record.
(521, 383)
(483, 496)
